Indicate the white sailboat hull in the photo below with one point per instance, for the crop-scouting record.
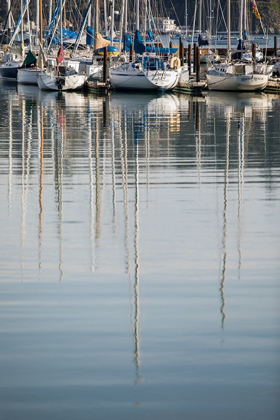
(60, 83)
(28, 76)
(232, 82)
(125, 77)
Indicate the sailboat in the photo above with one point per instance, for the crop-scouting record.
(26, 74)
(232, 76)
(9, 69)
(62, 77)
(149, 71)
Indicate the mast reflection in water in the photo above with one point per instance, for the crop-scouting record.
(93, 188)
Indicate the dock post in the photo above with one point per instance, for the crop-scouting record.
(254, 49)
(131, 53)
(105, 66)
(181, 51)
(194, 57)
(275, 46)
(197, 64)
(190, 58)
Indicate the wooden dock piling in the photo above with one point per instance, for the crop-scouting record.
(275, 45)
(105, 66)
(131, 53)
(194, 57)
(197, 67)
(254, 50)
(181, 51)
(190, 59)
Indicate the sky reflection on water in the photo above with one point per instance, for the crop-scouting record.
(139, 255)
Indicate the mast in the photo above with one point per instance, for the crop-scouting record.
(200, 17)
(41, 34)
(210, 18)
(96, 23)
(121, 26)
(186, 15)
(228, 29)
(245, 15)
(241, 20)
(50, 12)
(125, 16)
(9, 16)
(137, 16)
(22, 41)
(28, 25)
(37, 21)
(105, 18)
(41, 21)
(89, 17)
(61, 16)
(112, 21)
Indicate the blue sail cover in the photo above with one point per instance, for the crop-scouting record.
(127, 41)
(140, 48)
(90, 36)
(68, 34)
(150, 36)
(159, 50)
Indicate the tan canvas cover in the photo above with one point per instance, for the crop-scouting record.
(101, 42)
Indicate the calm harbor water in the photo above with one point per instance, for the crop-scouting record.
(140, 242)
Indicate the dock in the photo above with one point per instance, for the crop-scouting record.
(191, 87)
(98, 87)
(273, 86)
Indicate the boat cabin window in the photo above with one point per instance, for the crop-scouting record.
(239, 70)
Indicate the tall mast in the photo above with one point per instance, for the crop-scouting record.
(245, 15)
(37, 21)
(89, 16)
(22, 41)
(186, 15)
(39, 33)
(229, 29)
(96, 23)
(28, 25)
(41, 21)
(61, 17)
(9, 16)
(200, 17)
(210, 17)
(105, 17)
(50, 12)
(125, 16)
(241, 20)
(137, 16)
(112, 21)
(121, 25)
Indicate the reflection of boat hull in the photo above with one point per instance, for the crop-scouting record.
(60, 83)
(232, 82)
(244, 102)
